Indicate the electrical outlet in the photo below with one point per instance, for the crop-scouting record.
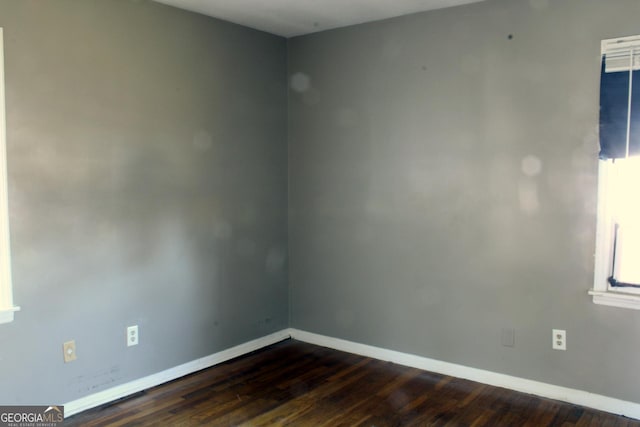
(559, 339)
(508, 338)
(69, 351)
(132, 335)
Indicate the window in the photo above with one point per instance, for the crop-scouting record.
(617, 269)
(6, 296)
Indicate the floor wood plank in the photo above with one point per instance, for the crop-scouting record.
(299, 384)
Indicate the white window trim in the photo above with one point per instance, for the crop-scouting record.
(7, 308)
(602, 292)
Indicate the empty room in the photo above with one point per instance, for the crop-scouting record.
(356, 212)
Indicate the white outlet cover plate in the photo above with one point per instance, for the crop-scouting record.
(559, 339)
(132, 335)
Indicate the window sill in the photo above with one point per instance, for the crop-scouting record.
(616, 299)
(6, 314)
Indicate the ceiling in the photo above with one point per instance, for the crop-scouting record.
(290, 18)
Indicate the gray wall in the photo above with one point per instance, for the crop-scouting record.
(147, 185)
(412, 224)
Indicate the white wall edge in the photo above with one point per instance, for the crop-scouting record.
(577, 397)
(123, 390)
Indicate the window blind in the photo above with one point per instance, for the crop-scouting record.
(620, 98)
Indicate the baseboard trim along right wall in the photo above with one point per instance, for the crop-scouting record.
(550, 391)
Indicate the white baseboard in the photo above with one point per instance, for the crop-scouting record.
(578, 397)
(135, 386)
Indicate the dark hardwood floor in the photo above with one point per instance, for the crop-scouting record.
(304, 385)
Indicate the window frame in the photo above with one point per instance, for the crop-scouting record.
(7, 307)
(602, 291)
